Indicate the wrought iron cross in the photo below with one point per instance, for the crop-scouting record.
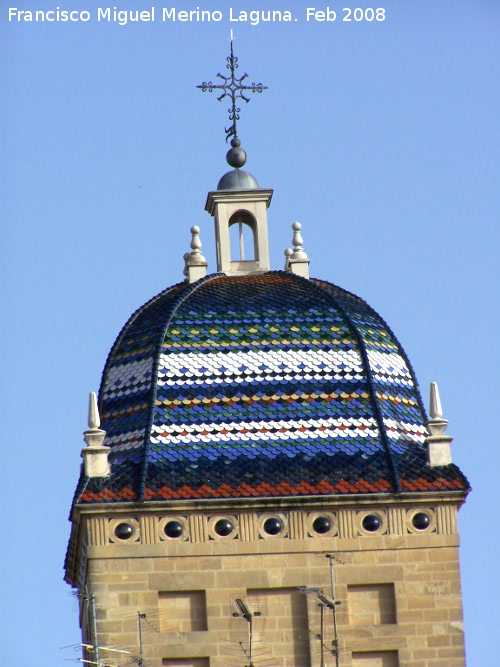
(234, 88)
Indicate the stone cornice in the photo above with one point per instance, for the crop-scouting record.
(269, 504)
(221, 196)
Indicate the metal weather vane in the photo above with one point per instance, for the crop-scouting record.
(234, 88)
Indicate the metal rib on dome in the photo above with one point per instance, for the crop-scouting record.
(268, 385)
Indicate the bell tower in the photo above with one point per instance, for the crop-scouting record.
(261, 485)
(239, 208)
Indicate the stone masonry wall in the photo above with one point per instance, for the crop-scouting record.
(400, 599)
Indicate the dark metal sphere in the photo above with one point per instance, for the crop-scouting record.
(273, 526)
(322, 524)
(224, 527)
(371, 522)
(124, 531)
(173, 529)
(236, 157)
(421, 521)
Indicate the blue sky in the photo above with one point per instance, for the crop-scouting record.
(380, 137)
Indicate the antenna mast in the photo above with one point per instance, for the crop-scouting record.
(244, 610)
(142, 617)
(94, 629)
(335, 642)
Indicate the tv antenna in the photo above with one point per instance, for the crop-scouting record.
(139, 660)
(93, 649)
(324, 601)
(244, 610)
(331, 558)
(247, 637)
(327, 602)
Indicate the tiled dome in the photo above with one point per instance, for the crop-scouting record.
(262, 385)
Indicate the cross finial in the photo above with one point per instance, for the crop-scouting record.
(234, 88)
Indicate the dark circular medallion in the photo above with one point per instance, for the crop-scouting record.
(173, 529)
(371, 522)
(224, 527)
(421, 521)
(322, 524)
(273, 525)
(124, 531)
